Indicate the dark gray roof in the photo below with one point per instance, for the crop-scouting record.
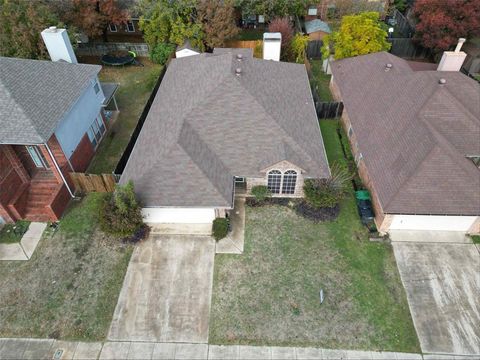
(35, 95)
(207, 125)
(414, 133)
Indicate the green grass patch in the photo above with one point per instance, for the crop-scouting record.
(69, 288)
(12, 233)
(136, 85)
(270, 294)
(320, 81)
(250, 34)
(475, 239)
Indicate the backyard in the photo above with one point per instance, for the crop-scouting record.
(136, 85)
(320, 81)
(270, 293)
(69, 288)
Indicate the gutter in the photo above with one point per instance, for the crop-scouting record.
(59, 171)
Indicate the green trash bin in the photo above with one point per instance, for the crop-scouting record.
(362, 195)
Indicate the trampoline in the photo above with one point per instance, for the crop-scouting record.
(118, 58)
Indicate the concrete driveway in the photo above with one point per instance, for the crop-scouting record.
(442, 281)
(167, 291)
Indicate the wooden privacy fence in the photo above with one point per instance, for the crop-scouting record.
(314, 49)
(85, 183)
(250, 44)
(406, 48)
(329, 110)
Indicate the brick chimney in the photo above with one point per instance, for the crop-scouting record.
(453, 60)
(58, 45)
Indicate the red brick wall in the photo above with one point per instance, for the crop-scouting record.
(60, 202)
(380, 217)
(82, 155)
(13, 182)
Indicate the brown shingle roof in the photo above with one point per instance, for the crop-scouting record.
(207, 125)
(414, 133)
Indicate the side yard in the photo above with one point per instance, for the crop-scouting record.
(270, 294)
(136, 85)
(69, 288)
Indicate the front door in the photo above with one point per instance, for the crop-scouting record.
(37, 156)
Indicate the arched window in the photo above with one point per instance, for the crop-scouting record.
(289, 181)
(274, 181)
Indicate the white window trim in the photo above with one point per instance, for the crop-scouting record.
(113, 26)
(282, 176)
(312, 11)
(126, 26)
(296, 178)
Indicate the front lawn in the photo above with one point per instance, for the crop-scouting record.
(270, 293)
(12, 233)
(69, 288)
(136, 85)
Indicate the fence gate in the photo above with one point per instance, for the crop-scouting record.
(85, 183)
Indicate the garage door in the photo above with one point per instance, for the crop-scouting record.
(179, 215)
(425, 222)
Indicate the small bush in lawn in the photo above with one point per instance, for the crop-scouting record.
(220, 228)
(160, 53)
(261, 193)
(320, 193)
(120, 213)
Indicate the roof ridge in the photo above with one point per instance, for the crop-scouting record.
(18, 106)
(188, 132)
(290, 141)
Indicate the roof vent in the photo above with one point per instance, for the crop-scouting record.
(442, 81)
(388, 67)
(238, 71)
(239, 57)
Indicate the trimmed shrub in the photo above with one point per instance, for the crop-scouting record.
(220, 228)
(326, 193)
(160, 53)
(120, 213)
(261, 193)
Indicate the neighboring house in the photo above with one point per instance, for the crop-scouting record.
(186, 50)
(415, 135)
(316, 29)
(472, 62)
(129, 32)
(221, 122)
(332, 9)
(51, 121)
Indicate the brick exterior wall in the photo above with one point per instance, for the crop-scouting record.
(282, 167)
(382, 220)
(14, 181)
(82, 155)
(60, 202)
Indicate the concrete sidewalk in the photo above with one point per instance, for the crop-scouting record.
(24, 249)
(55, 349)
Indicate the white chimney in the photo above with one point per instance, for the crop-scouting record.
(272, 43)
(58, 45)
(453, 60)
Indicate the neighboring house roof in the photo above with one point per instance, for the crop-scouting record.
(207, 125)
(316, 25)
(187, 45)
(35, 95)
(414, 133)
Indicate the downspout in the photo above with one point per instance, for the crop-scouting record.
(59, 171)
